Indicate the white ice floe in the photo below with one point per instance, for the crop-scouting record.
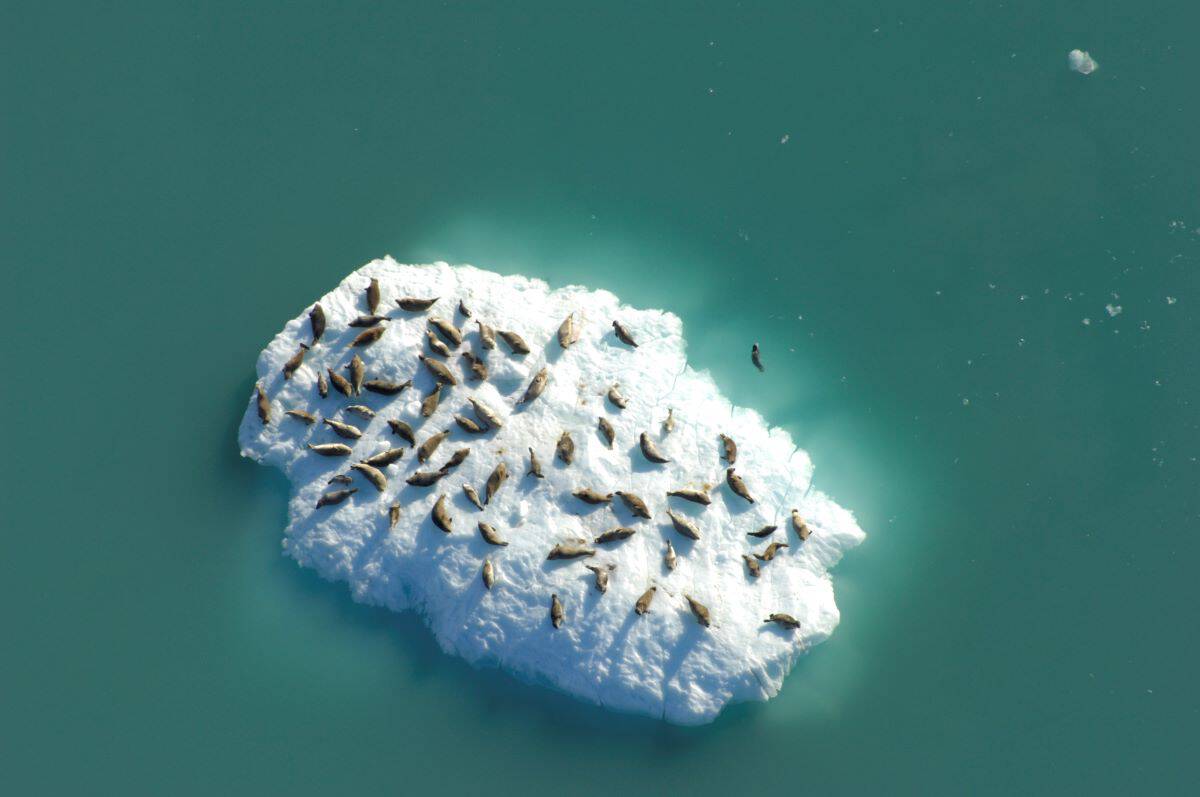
(1081, 62)
(663, 663)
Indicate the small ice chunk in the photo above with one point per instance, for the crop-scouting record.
(1171, 300)
(1081, 62)
(1114, 310)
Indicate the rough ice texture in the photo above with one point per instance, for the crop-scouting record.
(664, 663)
(1081, 62)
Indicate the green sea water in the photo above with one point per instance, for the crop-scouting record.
(915, 207)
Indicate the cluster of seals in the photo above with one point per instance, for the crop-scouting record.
(442, 337)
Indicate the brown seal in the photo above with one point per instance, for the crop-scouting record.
(487, 336)
(441, 516)
(695, 496)
(436, 345)
(618, 400)
(606, 429)
(368, 336)
(403, 431)
(322, 386)
(415, 305)
(556, 611)
(368, 320)
(341, 478)
(358, 371)
(385, 458)
(468, 425)
(668, 424)
(516, 344)
(700, 610)
(802, 530)
(373, 295)
(614, 535)
(450, 333)
(494, 482)
(393, 515)
(264, 405)
(634, 504)
(590, 496)
(490, 535)
(650, 451)
(371, 474)
(770, 552)
(669, 558)
(316, 319)
(340, 383)
(567, 332)
(535, 466)
(486, 414)
(386, 388)
(564, 449)
(331, 449)
(601, 572)
(623, 334)
(535, 387)
(783, 620)
(684, 526)
(439, 370)
(752, 565)
(301, 415)
(567, 550)
(462, 309)
(489, 573)
(424, 478)
(472, 496)
(756, 357)
(294, 362)
(643, 603)
(479, 369)
(429, 404)
(426, 449)
(729, 449)
(344, 429)
(765, 531)
(335, 497)
(456, 459)
(737, 485)
(361, 410)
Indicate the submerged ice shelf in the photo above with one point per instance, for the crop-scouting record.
(662, 663)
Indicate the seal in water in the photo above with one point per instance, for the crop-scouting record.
(619, 401)
(566, 550)
(669, 558)
(623, 334)
(294, 361)
(695, 496)
(344, 429)
(426, 449)
(264, 406)
(556, 611)
(301, 415)
(486, 414)
(567, 333)
(783, 621)
(340, 383)
(737, 485)
(684, 526)
(368, 320)
(729, 449)
(590, 496)
(429, 404)
(800, 526)
(535, 387)
(516, 344)
(385, 458)
(450, 333)
(606, 429)
(564, 449)
(700, 610)
(765, 531)
(472, 496)
(490, 535)
(494, 482)
(436, 345)
(403, 431)
(643, 603)
(371, 474)
(770, 552)
(456, 459)
(756, 357)
(386, 388)
(439, 370)
(752, 565)
(331, 449)
(487, 336)
(322, 385)
(634, 504)
(650, 451)
(601, 572)
(335, 497)
(424, 478)
(414, 305)
(479, 369)
(373, 295)
(535, 467)
(489, 573)
(615, 535)
(358, 370)
(441, 517)
(316, 319)
(468, 425)
(368, 336)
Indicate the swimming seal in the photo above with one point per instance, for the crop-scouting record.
(615, 535)
(684, 526)
(335, 497)
(650, 451)
(634, 504)
(426, 449)
(535, 467)
(264, 406)
(358, 370)
(441, 517)
(516, 344)
(450, 333)
(556, 611)
(535, 387)
(729, 449)
(765, 531)
(385, 388)
(566, 550)
(316, 319)
(643, 603)
(331, 449)
(439, 370)
(385, 458)
(487, 335)
(301, 415)
(344, 429)
(564, 449)
(695, 496)
(802, 530)
(783, 620)
(414, 305)
(373, 295)
(737, 485)
(403, 431)
(372, 474)
(429, 404)
(490, 535)
(619, 401)
(623, 334)
(590, 496)
(700, 610)
(340, 383)
(294, 361)
(368, 336)
(756, 357)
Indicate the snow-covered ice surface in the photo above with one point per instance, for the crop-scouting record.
(663, 663)
(1080, 61)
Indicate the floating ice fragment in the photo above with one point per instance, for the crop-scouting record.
(1113, 310)
(1171, 300)
(1081, 62)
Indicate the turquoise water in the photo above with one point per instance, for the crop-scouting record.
(917, 261)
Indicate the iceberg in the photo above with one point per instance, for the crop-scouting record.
(384, 536)
(1080, 61)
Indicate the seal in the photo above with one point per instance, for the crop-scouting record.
(340, 383)
(669, 559)
(567, 333)
(633, 503)
(386, 388)
(335, 497)
(668, 424)
(373, 295)
(426, 449)
(361, 410)
(770, 552)
(699, 610)
(556, 611)
(358, 370)
(462, 309)
(385, 458)
(564, 449)
(783, 621)
(619, 401)
(331, 449)
(615, 535)
(489, 573)
(623, 334)
(424, 478)
(590, 496)
(567, 550)
(650, 451)
(294, 362)
(429, 404)
(802, 530)
(456, 459)
(403, 431)
(695, 496)
(301, 415)
(371, 474)
(752, 566)
(684, 526)
(486, 415)
(439, 370)
(490, 535)
(341, 478)
(756, 357)
(264, 405)
(368, 320)
(765, 531)
(393, 515)
(479, 369)
(535, 387)
(472, 496)
(729, 449)
(344, 429)
(368, 336)
(535, 467)
(436, 345)
(450, 333)
(316, 319)
(487, 336)
(322, 385)
(516, 344)
(441, 516)
(643, 603)
(606, 431)
(494, 482)
(601, 572)
(468, 425)
(737, 485)
(415, 305)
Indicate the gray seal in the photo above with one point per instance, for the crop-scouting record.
(699, 610)
(415, 305)
(264, 405)
(439, 370)
(535, 466)
(472, 496)
(361, 410)
(614, 535)
(463, 310)
(426, 449)
(371, 474)
(556, 611)
(403, 431)
(487, 336)
(756, 357)
(301, 415)
(634, 504)
(386, 388)
(737, 485)
(783, 620)
(618, 400)
(489, 573)
(606, 430)
(393, 515)
(494, 482)
(601, 572)
(729, 449)
(479, 369)
(468, 425)
(516, 344)
(441, 516)
(340, 383)
(752, 565)
(695, 496)
(335, 497)
(385, 458)
(669, 558)
(450, 333)
(643, 603)
(486, 414)
(322, 385)
(566, 550)
(436, 345)
(535, 387)
(650, 451)
(590, 496)
(564, 449)
(456, 459)
(363, 321)
(344, 429)
(684, 526)
(567, 332)
(331, 449)
(424, 478)
(765, 531)
(490, 535)
(429, 404)
(368, 336)
(623, 334)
